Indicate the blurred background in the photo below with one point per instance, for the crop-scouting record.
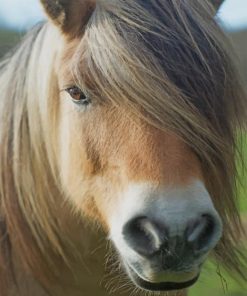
(17, 16)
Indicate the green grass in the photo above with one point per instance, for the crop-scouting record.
(8, 39)
(242, 190)
(212, 284)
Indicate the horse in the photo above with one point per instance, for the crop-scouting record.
(118, 143)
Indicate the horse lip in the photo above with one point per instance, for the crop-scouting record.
(162, 286)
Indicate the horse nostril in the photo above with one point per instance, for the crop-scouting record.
(150, 238)
(144, 236)
(200, 234)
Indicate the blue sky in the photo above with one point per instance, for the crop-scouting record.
(22, 14)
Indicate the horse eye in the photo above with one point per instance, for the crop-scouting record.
(78, 95)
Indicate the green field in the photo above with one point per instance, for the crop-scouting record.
(211, 284)
(243, 189)
(7, 40)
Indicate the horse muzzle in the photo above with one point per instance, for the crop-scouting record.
(168, 237)
(168, 262)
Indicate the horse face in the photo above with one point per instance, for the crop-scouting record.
(144, 185)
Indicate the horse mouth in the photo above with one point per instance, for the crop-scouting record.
(161, 286)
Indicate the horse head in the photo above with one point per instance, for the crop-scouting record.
(144, 130)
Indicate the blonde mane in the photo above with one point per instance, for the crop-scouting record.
(29, 187)
(195, 93)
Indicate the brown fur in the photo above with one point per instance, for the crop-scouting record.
(70, 17)
(161, 117)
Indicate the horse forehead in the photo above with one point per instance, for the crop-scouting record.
(67, 53)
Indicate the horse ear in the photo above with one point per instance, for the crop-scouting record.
(70, 16)
(217, 3)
